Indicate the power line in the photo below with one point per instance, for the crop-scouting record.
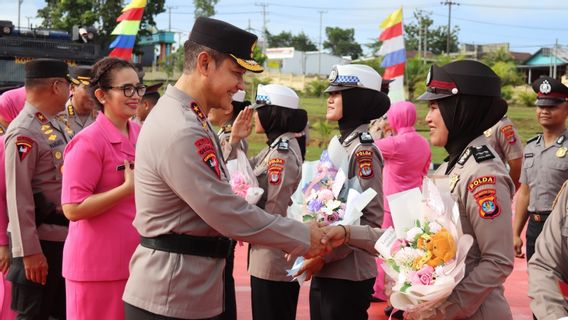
(504, 24)
(509, 7)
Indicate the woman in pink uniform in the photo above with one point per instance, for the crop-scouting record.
(407, 160)
(98, 196)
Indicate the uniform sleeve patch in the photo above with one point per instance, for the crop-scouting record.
(487, 202)
(365, 164)
(24, 146)
(206, 151)
(477, 182)
(509, 134)
(275, 169)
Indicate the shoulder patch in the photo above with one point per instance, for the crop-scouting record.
(365, 137)
(275, 168)
(206, 151)
(482, 153)
(486, 200)
(509, 134)
(477, 182)
(533, 138)
(364, 162)
(24, 146)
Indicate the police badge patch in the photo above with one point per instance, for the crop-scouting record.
(487, 202)
(364, 160)
(206, 151)
(545, 87)
(275, 168)
(24, 146)
(509, 134)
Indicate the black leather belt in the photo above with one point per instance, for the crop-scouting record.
(214, 247)
(539, 216)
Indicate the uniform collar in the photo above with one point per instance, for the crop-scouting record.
(285, 136)
(111, 132)
(467, 152)
(355, 134)
(178, 95)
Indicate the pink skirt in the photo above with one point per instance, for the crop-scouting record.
(95, 300)
(6, 298)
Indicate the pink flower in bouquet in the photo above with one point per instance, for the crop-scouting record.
(423, 276)
(396, 246)
(325, 195)
(239, 185)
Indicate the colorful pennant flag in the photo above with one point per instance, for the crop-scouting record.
(127, 29)
(394, 54)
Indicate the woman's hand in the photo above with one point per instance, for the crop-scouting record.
(128, 183)
(242, 126)
(4, 259)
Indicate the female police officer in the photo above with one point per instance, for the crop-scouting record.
(344, 279)
(464, 101)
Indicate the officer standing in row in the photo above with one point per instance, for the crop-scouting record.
(185, 205)
(34, 159)
(548, 268)
(149, 100)
(80, 110)
(465, 100)
(545, 163)
(505, 139)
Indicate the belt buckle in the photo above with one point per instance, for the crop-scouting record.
(537, 217)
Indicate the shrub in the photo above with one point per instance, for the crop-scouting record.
(526, 98)
(507, 93)
(316, 88)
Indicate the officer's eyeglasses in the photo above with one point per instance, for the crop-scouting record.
(129, 90)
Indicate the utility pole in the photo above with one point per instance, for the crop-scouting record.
(19, 10)
(555, 52)
(170, 17)
(321, 12)
(29, 25)
(449, 4)
(264, 22)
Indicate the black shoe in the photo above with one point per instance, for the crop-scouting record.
(399, 314)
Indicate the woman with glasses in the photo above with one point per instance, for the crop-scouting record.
(98, 196)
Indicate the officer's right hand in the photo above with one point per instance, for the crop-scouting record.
(242, 126)
(318, 241)
(518, 243)
(36, 268)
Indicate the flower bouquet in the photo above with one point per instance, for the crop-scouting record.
(424, 253)
(243, 181)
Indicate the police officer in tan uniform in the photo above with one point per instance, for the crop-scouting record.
(343, 280)
(545, 162)
(185, 205)
(34, 159)
(464, 101)
(278, 168)
(505, 140)
(80, 110)
(548, 268)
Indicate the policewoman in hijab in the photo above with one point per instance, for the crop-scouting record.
(343, 280)
(278, 168)
(464, 100)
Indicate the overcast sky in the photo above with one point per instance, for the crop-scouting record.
(525, 24)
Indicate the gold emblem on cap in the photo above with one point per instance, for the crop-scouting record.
(57, 154)
(561, 152)
(453, 181)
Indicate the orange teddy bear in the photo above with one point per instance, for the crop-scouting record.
(442, 246)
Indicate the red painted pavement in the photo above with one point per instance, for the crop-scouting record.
(515, 290)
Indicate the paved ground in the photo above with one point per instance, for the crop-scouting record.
(516, 292)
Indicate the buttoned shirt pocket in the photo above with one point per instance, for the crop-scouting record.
(560, 164)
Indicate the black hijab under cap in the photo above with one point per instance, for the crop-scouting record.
(360, 106)
(277, 120)
(467, 117)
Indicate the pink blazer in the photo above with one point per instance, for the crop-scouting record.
(407, 154)
(99, 248)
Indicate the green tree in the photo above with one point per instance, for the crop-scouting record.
(258, 56)
(508, 73)
(415, 76)
(64, 14)
(374, 46)
(341, 42)
(300, 41)
(435, 37)
(499, 55)
(204, 8)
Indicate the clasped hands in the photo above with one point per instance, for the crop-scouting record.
(323, 241)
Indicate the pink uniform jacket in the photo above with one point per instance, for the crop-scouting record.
(12, 102)
(99, 248)
(407, 154)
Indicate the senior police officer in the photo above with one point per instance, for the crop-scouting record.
(34, 158)
(80, 110)
(548, 268)
(505, 139)
(183, 199)
(464, 101)
(545, 163)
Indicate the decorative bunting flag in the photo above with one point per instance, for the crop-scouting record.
(127, 29)
(394, 54)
